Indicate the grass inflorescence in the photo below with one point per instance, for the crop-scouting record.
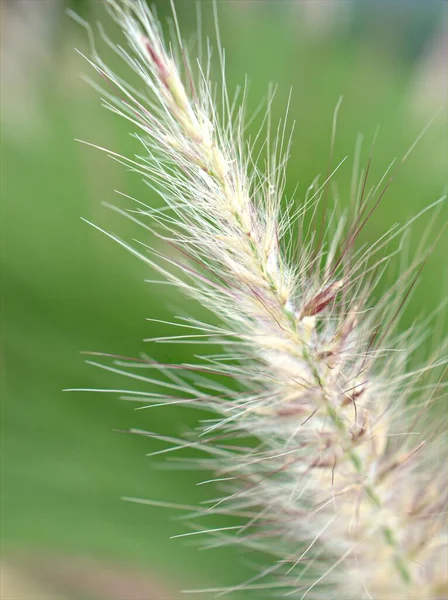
(321, 435)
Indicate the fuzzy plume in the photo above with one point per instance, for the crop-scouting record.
(320, 439)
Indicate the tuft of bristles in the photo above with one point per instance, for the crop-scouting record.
(321, 437)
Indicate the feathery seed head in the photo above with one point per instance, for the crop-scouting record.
(350, 504)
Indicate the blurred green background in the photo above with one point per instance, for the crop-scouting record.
(66, 288)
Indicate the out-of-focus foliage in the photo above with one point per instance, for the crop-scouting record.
(66, 289)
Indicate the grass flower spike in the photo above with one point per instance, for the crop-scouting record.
(320, 436)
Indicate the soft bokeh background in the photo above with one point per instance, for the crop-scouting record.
(65, 531)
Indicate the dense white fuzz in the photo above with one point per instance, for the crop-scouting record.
(318, 450)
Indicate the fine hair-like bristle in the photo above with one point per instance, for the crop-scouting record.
(322, 441)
